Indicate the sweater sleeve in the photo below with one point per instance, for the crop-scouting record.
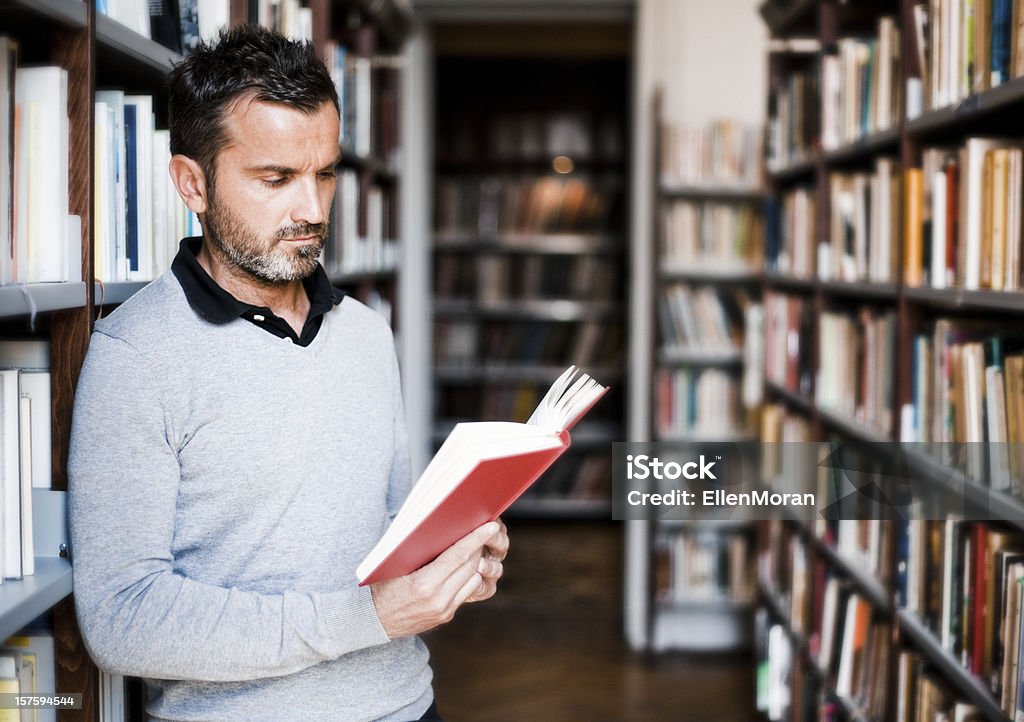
(137, 615)
(400, 480)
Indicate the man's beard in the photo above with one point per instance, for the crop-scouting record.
(270, 262)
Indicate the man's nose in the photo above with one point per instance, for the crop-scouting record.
(307, 206)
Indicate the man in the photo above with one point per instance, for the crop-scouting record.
(238, 443)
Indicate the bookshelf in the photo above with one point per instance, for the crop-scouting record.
(931, 299)
(708, 274)
(529, 254)
(97, 52)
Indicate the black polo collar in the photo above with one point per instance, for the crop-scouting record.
(216, 305)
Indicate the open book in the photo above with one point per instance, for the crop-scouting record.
(481, 468)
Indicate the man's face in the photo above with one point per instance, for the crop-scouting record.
(270, 199)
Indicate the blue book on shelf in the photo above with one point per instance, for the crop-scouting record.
(1001, 14)
(131, 128)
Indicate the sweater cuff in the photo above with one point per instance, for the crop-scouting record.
(352, 621)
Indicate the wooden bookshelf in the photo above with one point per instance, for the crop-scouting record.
(529, 253)
(95, 50)
(915, 307)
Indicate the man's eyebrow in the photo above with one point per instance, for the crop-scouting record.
(270, 168)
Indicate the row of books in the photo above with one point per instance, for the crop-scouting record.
(587, 344)
(794, 118)
(699, 318)
(28, 667)
(861, 92)
(353, 79)
(25, 435)
(352, 248)
(40, 241)
(533, 136)
(180, 24)
(964, 220)
(854, 376)
(493, 278)
(864, 229)
(711, 235)
(788, 328)
(723, 153)
(493, 205)
(966, 46)
(964, 582)
(697, 401)
(790, 241)
(139, 218)
(697, 565)
(968, 386)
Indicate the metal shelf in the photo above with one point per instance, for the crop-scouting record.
(955, 299)
(711, 275)
(70, 13)
(25, 299)
(861, 289)
(865, 148)
(23, 600)
(553, 243)
(112, 35)
(675, 189)
(700, 357)
(967, 111)
(850, 427)
(530, 309)
(792, 398)
(968, 685)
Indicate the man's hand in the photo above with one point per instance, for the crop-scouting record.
(468, 571)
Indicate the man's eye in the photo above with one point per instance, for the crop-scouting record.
(327, 175)
(273, 182)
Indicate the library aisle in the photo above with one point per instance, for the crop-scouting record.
(549, 646)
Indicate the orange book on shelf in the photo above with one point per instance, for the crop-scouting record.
(913, 239)
(478, 472)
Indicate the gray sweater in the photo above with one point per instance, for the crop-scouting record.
(224, 485)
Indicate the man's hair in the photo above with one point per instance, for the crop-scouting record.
(244, 60)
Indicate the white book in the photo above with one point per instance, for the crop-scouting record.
(28, 565)
(8, 69)
(42, 194)
(844, 678)
(35, 385)
(938, 270)
(116, 187)
(213, 16)
(10, 475)
(133, 14)
(972, 161)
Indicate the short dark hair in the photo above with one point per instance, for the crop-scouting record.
(245, 59)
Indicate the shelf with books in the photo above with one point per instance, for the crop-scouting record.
(555, 310)
(789, 283)
(117, 44)
(109, 294)
(527, 251)
(790, 17)
(673, 189)
(863, 149)
(23, 600)
(961, 299)
(69, 13)
(972, 688)
(794, 170)
(867, 585)
(700, 356)
(792, 398)
(726, 275)
(864, 290)
(543, 244)
(965, 114)
(29, 299)
(849, 427)
(502, 373)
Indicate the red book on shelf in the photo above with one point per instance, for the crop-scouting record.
(478, 472)
(952, 219)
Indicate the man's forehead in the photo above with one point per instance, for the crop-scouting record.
(249, 115)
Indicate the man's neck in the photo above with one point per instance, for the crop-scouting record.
(286, 300)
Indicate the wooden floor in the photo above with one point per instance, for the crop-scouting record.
(549, 646)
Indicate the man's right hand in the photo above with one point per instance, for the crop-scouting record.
(430, 596)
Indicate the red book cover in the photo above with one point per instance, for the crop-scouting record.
(481, 497)
(477, 473)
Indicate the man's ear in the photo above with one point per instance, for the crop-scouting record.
(190, 181)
